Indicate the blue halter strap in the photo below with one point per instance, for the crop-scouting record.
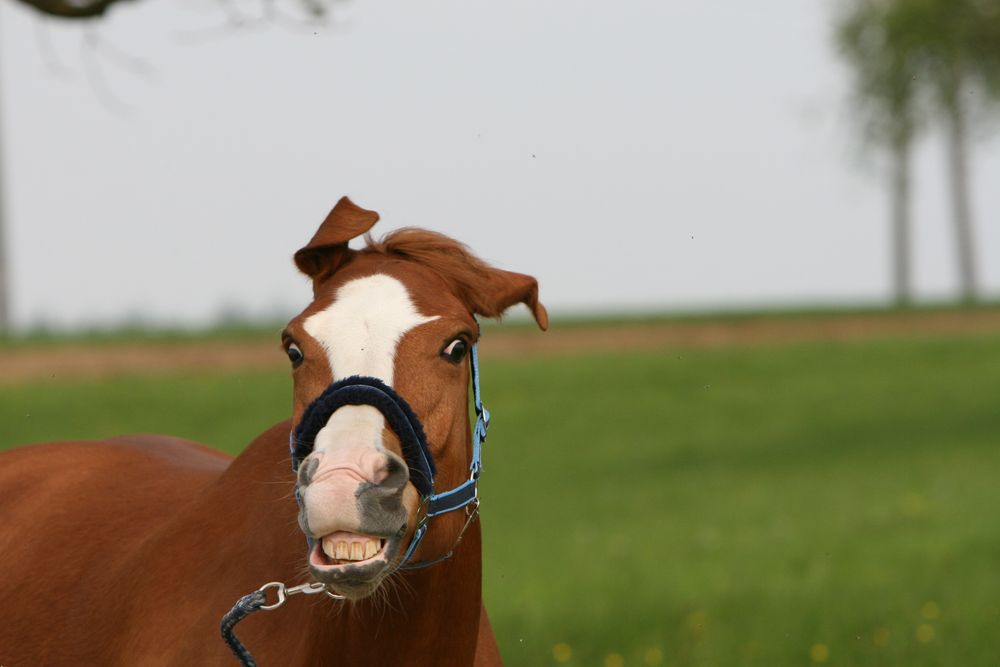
(466, 493)
(361, 390)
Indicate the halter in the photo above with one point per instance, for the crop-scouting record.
(363, 390)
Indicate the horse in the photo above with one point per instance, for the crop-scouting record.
(129, 551)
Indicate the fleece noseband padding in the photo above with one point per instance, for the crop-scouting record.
(361, 390)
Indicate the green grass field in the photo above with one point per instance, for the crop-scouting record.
(820, 503)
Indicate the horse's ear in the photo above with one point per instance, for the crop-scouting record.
(328, 248)
(500, 290)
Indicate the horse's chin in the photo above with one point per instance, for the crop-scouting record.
(354, 579)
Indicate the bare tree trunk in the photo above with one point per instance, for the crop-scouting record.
(958, 167)
(901, 273)
(4, 302)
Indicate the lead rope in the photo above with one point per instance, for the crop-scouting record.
(251, 602)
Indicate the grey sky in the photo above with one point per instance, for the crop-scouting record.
(658, 155)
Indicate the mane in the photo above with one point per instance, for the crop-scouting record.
(450, 259)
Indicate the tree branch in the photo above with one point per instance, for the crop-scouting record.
(71, 9)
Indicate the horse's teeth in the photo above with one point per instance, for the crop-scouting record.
(328, 547)
(350, 550)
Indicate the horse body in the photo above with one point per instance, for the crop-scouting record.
(129, 551)
(146, 563)
(104, 504)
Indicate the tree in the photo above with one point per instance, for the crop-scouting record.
(913, 60)
(4, 287)
(957, 46)
(876, 42)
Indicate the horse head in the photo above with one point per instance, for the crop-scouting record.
(394, 323)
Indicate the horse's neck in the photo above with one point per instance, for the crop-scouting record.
(425, 617)
(431, 612)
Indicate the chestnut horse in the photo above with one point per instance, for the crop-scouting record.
(129, 551)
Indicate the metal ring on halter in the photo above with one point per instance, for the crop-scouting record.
(471, 514)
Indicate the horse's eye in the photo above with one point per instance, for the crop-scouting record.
(455, 351)
(294, 353)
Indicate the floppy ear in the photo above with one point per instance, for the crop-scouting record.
(328, 248)
(499, 290)
(484, 289)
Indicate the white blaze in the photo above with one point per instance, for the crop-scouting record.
(360, 332)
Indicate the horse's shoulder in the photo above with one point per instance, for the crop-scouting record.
(88, 457)
(130, 475)
(171, 450)
(75, 513)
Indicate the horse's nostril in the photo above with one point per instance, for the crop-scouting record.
(307, 470)
(396, 472)
(393, 466)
